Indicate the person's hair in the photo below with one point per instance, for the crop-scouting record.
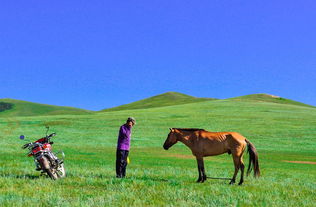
(131, 119)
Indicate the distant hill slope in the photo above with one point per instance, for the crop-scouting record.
(261, 97)
(12, 107)
(165, 99)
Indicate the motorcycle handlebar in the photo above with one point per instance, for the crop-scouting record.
(26, 145)
(29, 145)
(51, 135)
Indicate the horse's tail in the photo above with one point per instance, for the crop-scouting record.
(253, 159)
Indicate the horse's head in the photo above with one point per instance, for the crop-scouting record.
(171, 139)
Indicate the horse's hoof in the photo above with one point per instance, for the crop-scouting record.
(232, 183)
(240, 183)
(199, 180)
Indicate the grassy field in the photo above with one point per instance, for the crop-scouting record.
(25, 108)
(155, 177)
(165, 99)
(261, 97)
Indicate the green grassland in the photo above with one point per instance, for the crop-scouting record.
(261, 97)
(165, 99)
(156, 177)
(25, 108)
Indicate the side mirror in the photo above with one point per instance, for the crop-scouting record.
(47, 127)
(22, 137)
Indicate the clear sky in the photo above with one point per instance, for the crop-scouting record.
(97, 54)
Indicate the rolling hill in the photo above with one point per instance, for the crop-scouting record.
(261, 97)
(175, 98)
(165, 99)
(12, 107)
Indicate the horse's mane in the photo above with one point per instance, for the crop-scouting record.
(189, 129)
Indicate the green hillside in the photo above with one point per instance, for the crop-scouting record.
(174, 98)
(269, 98)
(165, 99)
(282, 134)
(12, 107)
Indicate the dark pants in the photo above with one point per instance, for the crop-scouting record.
(121, 163)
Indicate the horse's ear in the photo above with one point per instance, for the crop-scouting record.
(171, 129)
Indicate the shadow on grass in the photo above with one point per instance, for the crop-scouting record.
(146, 178)
(113, 177)
(176, 181)
(26, 176)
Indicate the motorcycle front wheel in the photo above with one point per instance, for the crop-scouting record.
(60, 171)
(47, 168)
(51, 174)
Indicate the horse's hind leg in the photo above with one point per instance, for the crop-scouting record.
(242, 167)
(236, 160)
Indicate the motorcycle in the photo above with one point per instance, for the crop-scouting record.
(45, 160)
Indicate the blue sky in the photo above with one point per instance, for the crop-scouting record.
(100, 54)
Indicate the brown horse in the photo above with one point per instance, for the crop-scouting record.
(203, 143)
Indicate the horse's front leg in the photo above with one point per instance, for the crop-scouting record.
(203, 171)
(202, 175)
(199, 170)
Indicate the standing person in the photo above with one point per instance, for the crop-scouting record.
(123, 146)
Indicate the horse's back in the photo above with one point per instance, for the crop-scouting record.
(214, 143)
(222, 136)
(211, 143)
